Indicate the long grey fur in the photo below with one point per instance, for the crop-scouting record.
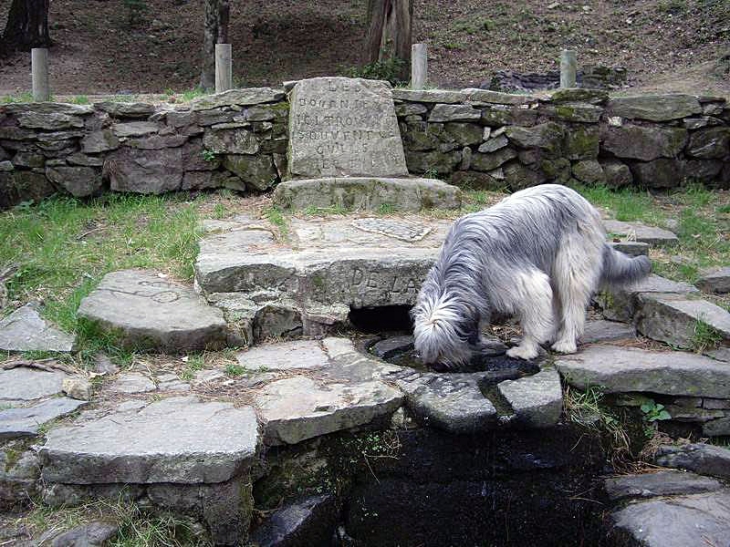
(538, 254)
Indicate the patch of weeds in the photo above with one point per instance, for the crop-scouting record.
(388, 69)
(79, 99)
(431, 173)
(235, 370)
(587, 408)
(276, 217)
(627, 204)
(208, 155)
(724, 210)
(25, 97)
(136, 11)
(386, 209)
(705, 336)
(195, 363)
(673, 7)
(193, 94)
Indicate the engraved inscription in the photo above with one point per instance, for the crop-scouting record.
(342, 126)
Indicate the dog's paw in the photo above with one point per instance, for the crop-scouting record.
(563, 346)
(520, 352)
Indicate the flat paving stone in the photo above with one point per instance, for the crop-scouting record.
(452, 402)
(150, 312)
(702, 519)
(296, 409)
(26, 330)
(623, 370)
(622, 303)
(606, 331)
(631, 248)
(642, 233)
(662, 483)
(705, 459)
(304, 354)
(132, 382)
(24, 422)
(176, 440)
(26, 384)
(537, 400)
(324, 262)
(673, 319)
(716, 282)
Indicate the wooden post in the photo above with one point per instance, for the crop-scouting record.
(39, 69)
(419, 66)
(568, 67)
(223, 68)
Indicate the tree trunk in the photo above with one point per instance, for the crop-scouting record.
(27, 26)
(224, 17)
(390, 32)
(210, 39)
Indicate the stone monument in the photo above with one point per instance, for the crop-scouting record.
(345, 150)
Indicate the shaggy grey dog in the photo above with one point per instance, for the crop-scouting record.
(538, 255)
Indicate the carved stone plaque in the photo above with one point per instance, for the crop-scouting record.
(344, 127)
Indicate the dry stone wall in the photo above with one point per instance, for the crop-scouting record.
(235, 140)
(473, 137)
(487, 139)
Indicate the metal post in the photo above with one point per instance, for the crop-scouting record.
(223, 68)
(39, 69)
(568, 67)
(419, 66)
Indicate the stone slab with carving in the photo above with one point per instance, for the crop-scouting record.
(344, 126)
(323, 261)
(145, 310)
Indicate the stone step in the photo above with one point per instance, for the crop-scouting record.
(627, 370)
(674, 319)
(637, 231)
(715, 282)
(680, 521)
(367, 194)
(179, 440)
(317, 273)
(145, 311)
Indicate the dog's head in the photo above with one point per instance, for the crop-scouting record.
(445, 330)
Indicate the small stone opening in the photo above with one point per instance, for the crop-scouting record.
(382, 319)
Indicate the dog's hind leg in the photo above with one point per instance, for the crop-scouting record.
(576, 272)
(534, 305)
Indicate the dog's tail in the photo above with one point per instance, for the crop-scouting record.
(620, 269)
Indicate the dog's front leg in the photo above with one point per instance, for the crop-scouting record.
(536, 314)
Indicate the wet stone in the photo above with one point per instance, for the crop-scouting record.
(24, 422)
(536, 400)
(146, 311)
(176, 440)
(309, 521)
(701, 458)
(663, 483)
(26, 330)
(702, 519)
(385, 349)
(452, 402)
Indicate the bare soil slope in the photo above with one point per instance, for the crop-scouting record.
(667, 44)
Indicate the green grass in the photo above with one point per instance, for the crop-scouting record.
(26, 97)
(137, 527)
(705, 336)
(64, 247)
(277, 218)
(696, 214)
(235, 370)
